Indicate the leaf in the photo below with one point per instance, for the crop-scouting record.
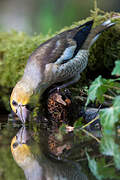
(99, 86)
(107, 145)
(94, 168)
(109, 116)
(77, 126)
(116, 70)
(110, 148)
(78, 123)
(116, 156)
(116, 104)
(97, 89)
(101, 170)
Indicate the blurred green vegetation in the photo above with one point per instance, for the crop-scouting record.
(44, 16)
(52, 16)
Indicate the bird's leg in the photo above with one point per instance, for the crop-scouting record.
(74, 80)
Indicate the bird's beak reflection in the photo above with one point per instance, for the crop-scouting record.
(22, 136)
(22, 113)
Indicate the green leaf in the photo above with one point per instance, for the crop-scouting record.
(97, 89)
(109, 147)
(116, 70)
(109, 116)
(78, 123)
(116, 104)
(94, 167)
(101, 170)
(116, 156)
(108, 144)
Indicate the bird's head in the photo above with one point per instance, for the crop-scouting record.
(20, 149)
(19, 99)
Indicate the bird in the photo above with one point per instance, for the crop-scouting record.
(59, 59)
(34, 158)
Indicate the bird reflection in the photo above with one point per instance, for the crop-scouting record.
(39, 166)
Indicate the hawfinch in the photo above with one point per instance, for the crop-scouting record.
(59, 59)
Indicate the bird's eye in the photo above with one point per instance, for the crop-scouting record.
(15, 145)
(14, 103)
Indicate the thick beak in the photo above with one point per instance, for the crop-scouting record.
(22, 136)
(22, 113)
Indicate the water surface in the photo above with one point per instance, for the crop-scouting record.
(32, 153)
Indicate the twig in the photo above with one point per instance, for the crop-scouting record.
(110, 164)
(83, 159)
(107, 103)
(114, 87)
(97, 117)
(95, 6)
(70, 128)
(80, 98)
(108, 96)
(113, 93)
(90, 134)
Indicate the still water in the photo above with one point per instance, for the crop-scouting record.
(32, 153)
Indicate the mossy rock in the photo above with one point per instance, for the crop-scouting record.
(16, 47)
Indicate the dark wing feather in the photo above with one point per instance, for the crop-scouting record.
(81, 36)
(52, 49)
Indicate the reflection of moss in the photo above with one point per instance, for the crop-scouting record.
(15, 49)
(9, 170)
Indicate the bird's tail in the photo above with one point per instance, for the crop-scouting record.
(95, 33)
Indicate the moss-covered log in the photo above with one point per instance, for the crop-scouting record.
(16, 47)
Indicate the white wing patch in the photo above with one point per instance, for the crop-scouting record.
(67, 54)
(94, 39)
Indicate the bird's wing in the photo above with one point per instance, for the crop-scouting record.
(62, 47)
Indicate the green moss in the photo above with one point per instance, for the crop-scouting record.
(16, 47)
